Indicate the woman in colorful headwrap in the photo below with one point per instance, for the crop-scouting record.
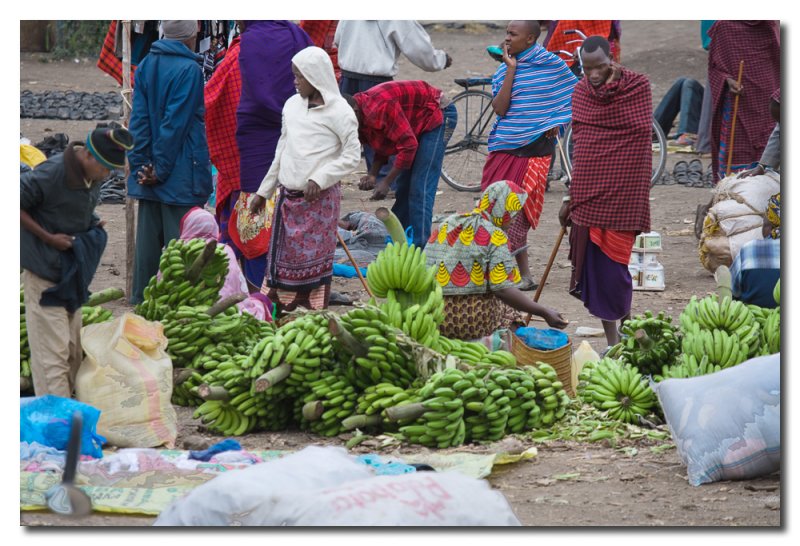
(200, 224)
(476, 270)
(757, 267)
(532, 91)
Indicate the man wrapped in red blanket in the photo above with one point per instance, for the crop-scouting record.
(609, 201)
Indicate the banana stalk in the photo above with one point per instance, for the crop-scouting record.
(409, 411)
(349, 341)
(193, 273)
(223, 304)
(213, 392)
(180, 375)
(393, 225)
(361, 421)
(104, 296)
(273, 377)
(313, 410)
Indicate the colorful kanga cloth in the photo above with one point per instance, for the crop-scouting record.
(612, 157)
(300, 256)
(470, 251)
(757, 43)
(541, 96)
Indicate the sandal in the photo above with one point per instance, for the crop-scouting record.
(695, 173)
(337, 298)
(680, 172)
(527, 284)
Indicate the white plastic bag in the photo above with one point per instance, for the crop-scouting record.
(726, 425)
(324, 486)
(127, 375)
(441, 499)
(257, 495)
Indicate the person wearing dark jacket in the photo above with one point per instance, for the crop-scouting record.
(61, 241)
(170, 166)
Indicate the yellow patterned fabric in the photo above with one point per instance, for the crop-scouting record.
(470, 251)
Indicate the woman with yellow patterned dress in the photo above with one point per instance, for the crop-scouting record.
(476, 270)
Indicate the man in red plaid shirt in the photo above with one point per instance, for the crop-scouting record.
(412, 120)
(609, 201)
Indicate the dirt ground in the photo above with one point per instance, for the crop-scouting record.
(613, 488)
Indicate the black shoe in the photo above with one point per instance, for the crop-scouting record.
(337, 298)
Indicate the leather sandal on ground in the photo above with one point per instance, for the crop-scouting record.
(527, 284)
(680, 172)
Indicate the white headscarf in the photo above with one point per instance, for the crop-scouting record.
(316, 67)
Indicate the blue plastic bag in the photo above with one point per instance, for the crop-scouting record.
(543, 340)
(47, 420)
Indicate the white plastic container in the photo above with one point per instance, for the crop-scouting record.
(653, 277)
(636, 274)
(651, 241)
(649, 259)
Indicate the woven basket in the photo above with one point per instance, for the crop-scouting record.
(560, 359)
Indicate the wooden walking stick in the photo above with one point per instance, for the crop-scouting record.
(558, 240)
(355, 264)
(733, 120)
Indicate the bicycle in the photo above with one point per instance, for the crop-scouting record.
(468, 147)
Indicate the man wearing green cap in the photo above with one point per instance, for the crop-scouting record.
(61, 241)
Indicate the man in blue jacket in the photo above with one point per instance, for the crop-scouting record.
(170, 166)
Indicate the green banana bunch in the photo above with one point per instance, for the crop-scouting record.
(186, 278)
(331, 399)
(500, 358)
(95, 315)
(489, 424)
(729, 315)
(183, 393)
(618, 389)
(551, 398)
(440, 421)
(652, 342)
(298, 353)
(401, 267)
(186, 329)
(772, 332)
(688, 366)
(521, 391)
(718, 346)
(223, 418)
(421, 320)
(467, 351)
(24, 348)
(371, 354)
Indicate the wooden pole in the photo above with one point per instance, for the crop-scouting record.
(355, 264)
(130, 215)
(547, 269)
(733, 121)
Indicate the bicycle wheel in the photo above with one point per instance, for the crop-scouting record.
(659, 151)
(468, 147)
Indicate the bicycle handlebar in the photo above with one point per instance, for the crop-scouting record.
(576, 31)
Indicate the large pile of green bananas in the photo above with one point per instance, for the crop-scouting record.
(652, 342)
(740, 332)
(617, 388)
(192, 273)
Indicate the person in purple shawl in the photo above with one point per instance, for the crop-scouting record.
(265, 62)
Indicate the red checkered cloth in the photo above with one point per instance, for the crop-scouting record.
(394, 114)
(221, 95)
(322, 33)
(108, 61)
(612, 136)
(758, 44)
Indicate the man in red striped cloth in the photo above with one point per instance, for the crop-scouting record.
(221, 96)
(609, 201)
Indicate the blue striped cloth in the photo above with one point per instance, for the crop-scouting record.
(541, 98)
